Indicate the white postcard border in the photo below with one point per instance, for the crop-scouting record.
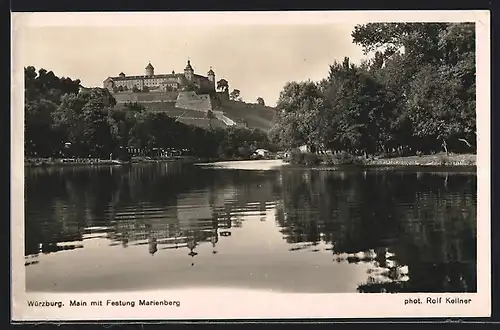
(224, 303)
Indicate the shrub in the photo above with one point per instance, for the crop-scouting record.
(308, 159)
(442, 159)
(297, 157)
(311, 159)
(470, 162)
(342, 158)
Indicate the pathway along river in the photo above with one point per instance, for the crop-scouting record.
(172, 225)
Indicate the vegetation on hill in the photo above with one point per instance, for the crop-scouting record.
(235, 95)
(223, 85)
(415, 96)
(61, 121)
(251, 114)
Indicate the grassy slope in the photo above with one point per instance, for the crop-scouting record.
(191, 117)
(256, 116)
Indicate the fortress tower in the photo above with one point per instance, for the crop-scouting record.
(150, 70)
(188, 71)
(211, 76)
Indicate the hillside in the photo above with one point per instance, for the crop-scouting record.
(254, 115)
(189, 117)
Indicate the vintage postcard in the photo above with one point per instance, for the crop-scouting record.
(250, 165)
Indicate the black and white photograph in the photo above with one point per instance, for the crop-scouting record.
(245, 165)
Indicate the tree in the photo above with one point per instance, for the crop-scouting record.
(43, 93)
(97, 136)
(223, 85)
(210, 115)
(39, 135)
(300, 117)
(429, 73)
(145, 89)
(100, 95)
(436, 109)
(82, 119)
(235, 95)
(260, 101)
(135, 89)
(361, 112)
(135, 106)
(420, 40)
(120, 123)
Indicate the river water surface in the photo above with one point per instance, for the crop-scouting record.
(171, 225)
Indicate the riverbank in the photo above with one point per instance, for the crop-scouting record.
(258, 165)
(441, 159)
(435, 160)
(45, 162)
(50, 162)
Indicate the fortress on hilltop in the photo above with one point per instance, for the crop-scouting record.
(151, 82)
(188, 97)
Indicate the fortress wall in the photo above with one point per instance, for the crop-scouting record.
(223, 96)
(123, 97)
(192, 101)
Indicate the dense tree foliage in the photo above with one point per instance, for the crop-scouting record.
(64, 120)
(415, 94)
(210, 116)
(223, 85)
(235, 95)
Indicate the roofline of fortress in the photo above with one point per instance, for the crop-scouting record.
(168, 75)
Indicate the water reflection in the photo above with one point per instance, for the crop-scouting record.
(388, 231)
(417, 231)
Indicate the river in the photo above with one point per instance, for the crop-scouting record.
(285, 229)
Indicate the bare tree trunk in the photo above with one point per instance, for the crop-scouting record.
(445, 147)
(466, 142)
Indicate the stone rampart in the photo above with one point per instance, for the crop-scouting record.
(193, 101)
(150, 97)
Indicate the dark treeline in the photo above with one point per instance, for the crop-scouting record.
(61, 120)
(415, 95)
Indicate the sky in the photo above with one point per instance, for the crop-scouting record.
(256, 52)
(258, 59)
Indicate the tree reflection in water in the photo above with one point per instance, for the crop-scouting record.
(415, 231)
(138, 205)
